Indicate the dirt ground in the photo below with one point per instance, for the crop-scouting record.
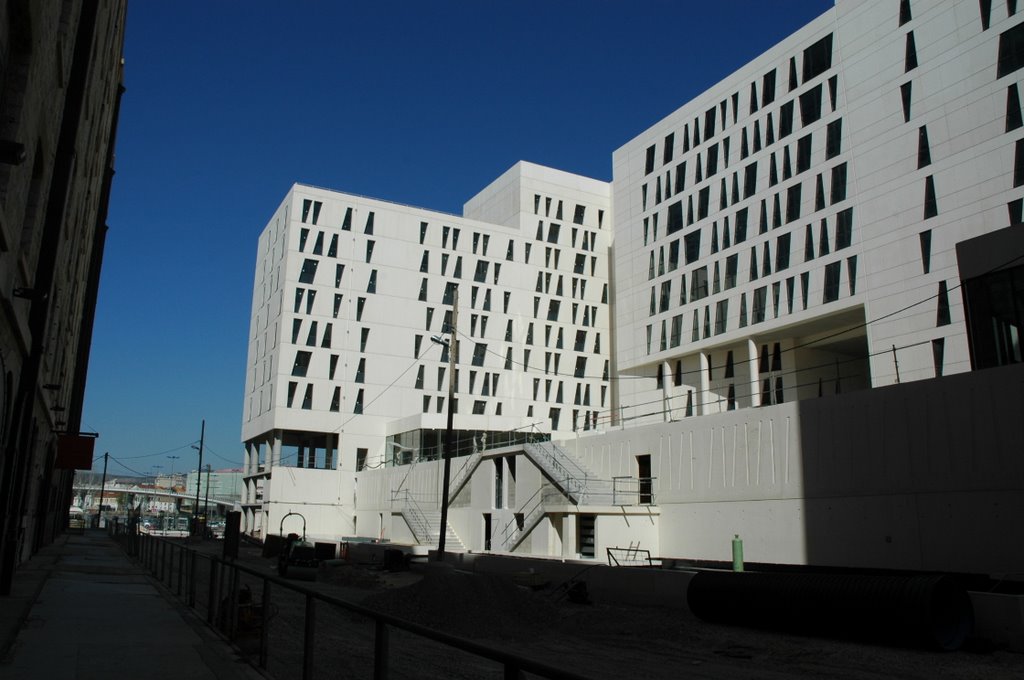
(597, 640)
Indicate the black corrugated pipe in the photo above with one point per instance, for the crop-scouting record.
(932, 611)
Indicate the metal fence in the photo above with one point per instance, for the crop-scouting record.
(224, 592)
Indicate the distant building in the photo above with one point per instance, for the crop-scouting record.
(787, 353)
(224, 484)
(61, 79)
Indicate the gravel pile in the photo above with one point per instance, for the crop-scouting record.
(470, 605)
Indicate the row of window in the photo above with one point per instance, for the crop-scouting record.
(578, 216)
(701, 170)
(817, 59)
(843, 238)
(707, 324)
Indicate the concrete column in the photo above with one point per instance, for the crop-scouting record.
(755, 376)
(704, 395)
(275, 450)
(666, 391)
(569, 536)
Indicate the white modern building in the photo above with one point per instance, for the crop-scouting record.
(756, 329)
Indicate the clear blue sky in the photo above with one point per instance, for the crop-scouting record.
(423, 103)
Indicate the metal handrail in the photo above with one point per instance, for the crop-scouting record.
(159, 556)
(419, 524)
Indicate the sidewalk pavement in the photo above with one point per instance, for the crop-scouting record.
(80, 609)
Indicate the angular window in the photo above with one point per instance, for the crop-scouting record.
(423, 232)
(311, 336)
(458, 267)
(307, 398)
(692, 246)
(926, 250)
(334, 366)
(741, 226)
(839, 183)
(819, 193)
(833, 138)
(308, 272)
(1013, 113)
(580, 213)
(479, 351)
(803, 154)
(721, 316)
(648, 164)
(986, 13)
(703, 201)
(326, 340)
(303, 237)
(699, 285)
(369, 224)
(371, 284)
(782, 251)
(942, 316)
(750, 180)
(810, 105)
(793, 203)
(712, 162)
(904, 11)
(767, 90)
(786, 119)
(318, 247)
(291, 392)
(332, 250)
(818, 58)
(336, 400)
(823, 247)
(851, 273)
(364, 336)
(731, 266)
(301, 365)
(346, 224)
(833, 272)
(844, 228)
(677, 330)
(422, 297)
(337, 304)
(675, 217)
(905, 90)
(709, 123)
(924, 154)
(357, 407)
(369, 251)
(361, 370)
(910, 59)
(760, 305)
(553, 308)
(793, 83)
(931, 208)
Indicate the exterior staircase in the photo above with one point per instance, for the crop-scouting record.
(425, 524)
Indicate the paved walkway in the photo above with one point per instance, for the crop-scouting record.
(81, 610)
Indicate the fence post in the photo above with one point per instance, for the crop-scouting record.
(380, 651)
(265, 624)
(308, 646)
(211, 603)
(181, 567)
(193, 560)
(232, 621)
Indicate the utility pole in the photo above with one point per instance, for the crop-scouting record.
(199, 476)
(206, 506)
(449, 438)
(103, 484)
(896, 363)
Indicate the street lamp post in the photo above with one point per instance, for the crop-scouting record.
(449, 438)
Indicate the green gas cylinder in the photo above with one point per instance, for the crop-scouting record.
(737, 553)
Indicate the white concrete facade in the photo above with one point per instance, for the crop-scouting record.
(785, 241)
(349, 292)
(821, 188)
